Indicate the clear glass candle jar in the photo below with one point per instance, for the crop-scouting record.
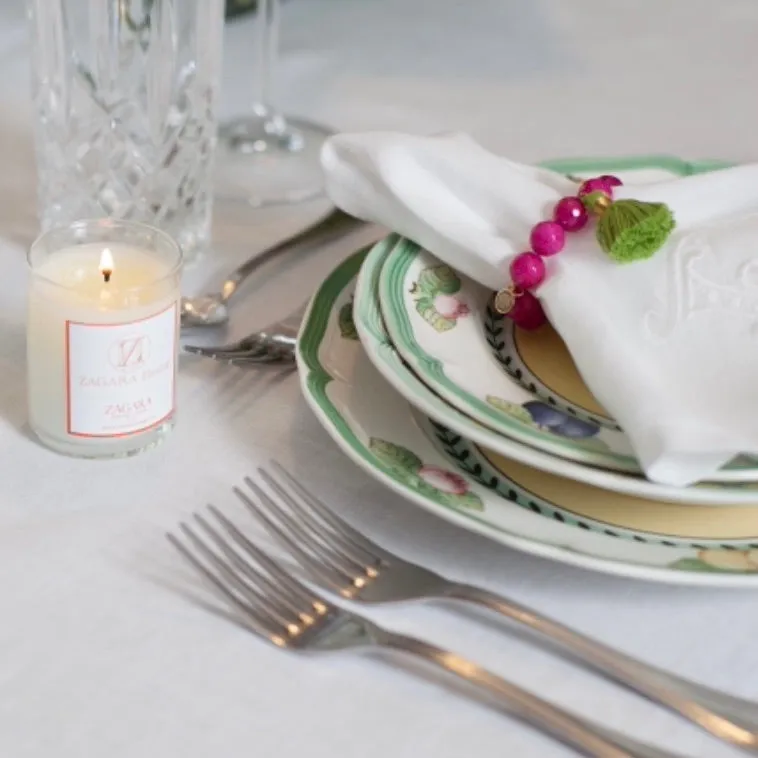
(102, 337)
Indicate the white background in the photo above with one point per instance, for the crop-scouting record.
(103, 649)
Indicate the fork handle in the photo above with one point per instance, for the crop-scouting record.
(730, 718)
(589, 738)
(329, 229)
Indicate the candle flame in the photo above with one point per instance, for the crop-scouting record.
(106, 264)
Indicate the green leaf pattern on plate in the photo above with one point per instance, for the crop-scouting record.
(346, 323)
(720, 561)
(434, 295)
(514, 410)
(394, 456)
(443, 486)
(427, 311)
(693, 564)
(436, 279)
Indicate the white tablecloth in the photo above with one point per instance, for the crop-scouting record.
(101, 651)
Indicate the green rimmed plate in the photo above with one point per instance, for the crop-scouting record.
(367, 321)
(445, 473)
(525, 388)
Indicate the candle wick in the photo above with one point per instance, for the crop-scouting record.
(107, 276)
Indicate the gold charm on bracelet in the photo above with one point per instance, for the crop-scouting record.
(506, 298)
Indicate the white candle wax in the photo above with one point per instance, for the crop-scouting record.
(101, 347)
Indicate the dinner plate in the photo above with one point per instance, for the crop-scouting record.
(507, 501)
(367, 320)
(523, 386)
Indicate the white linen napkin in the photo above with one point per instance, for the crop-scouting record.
(668, 345)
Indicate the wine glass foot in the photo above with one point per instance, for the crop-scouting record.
(269, 160)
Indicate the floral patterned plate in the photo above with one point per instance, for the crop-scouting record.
(514, 504)
(363, 315)
(442, 326)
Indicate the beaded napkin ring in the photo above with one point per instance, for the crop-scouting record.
(627, 230)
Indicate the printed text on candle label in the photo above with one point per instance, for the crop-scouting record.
(120, 376)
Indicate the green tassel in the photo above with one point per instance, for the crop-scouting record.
(631, 230)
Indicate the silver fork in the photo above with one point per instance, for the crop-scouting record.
(272, 344)
(277, 607)
(340, 559)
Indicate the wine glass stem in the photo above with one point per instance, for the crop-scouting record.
(267, 48)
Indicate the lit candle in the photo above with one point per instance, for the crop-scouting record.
(102, 337)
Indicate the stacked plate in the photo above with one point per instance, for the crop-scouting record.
(431, 391)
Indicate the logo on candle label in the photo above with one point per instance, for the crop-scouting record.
(130, 354)
(120, 377)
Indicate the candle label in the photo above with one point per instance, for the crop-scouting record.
(120, 377)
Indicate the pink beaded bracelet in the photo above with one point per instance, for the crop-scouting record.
(627, 230)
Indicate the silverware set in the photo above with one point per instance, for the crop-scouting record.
(335, 557)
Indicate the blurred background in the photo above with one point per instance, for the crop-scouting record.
(533, 78)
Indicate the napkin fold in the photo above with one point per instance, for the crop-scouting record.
(669, 345)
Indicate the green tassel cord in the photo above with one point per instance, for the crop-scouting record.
(631, 230)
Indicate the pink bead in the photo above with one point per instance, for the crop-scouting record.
(547, 238)
(611, 181)
(527, 270)
(598, 184)
(570, 213)
(527, 312)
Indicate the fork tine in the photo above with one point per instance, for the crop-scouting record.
(277, 572)
(252, 597)
(298, 598)
(274, 357)
(249, 353)
(207, 352)
(274, 599)
(254, 621)
(225, 353)
(358, 558)
(323, 573)
(311, 535)
(337, 523)
(252, 340)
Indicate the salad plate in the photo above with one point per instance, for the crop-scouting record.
(365, 312)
